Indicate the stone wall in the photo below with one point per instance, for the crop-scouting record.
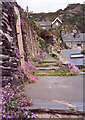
(30, 41)
(74, 44)
(8, 41)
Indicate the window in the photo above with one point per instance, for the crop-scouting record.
(57, 23)
(44, 28)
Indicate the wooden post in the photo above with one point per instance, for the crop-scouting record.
(19, 37)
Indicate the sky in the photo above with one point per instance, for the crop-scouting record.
(38, 6)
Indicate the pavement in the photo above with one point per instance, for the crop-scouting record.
(75, 61)
(56, 92)
(48, 89)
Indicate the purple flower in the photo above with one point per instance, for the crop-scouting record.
(28, 116)
(4, 116)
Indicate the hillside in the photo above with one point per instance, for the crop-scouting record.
(73, 14)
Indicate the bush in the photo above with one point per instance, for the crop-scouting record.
(42, 43)
(83, 52)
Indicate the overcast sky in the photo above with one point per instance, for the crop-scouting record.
(46, 5)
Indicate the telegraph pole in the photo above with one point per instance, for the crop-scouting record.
(27, 11)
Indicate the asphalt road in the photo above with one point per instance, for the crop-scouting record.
(57, 88)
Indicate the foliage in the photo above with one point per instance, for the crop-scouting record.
(69, 70)
(62, 70)
(48, 61)
(14, 98)
(39, 58)
(25, 74)
(42, 43)
(73, 69)
(83, 69)
(15, 17)
(83, 52)
(79, 19)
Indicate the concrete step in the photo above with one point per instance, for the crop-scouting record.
(47, 104)
(49, 64)
(49, 61)
(59, 106)
(47, 68)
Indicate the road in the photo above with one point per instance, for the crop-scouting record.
(67, 89)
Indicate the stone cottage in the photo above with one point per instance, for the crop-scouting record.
(74, 42)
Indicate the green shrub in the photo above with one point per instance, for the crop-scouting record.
(42, 43)
(83, 52)
(83, 69)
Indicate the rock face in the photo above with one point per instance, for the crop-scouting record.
(8, 41)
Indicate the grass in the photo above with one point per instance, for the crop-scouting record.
(54, 74)
(83, 69)
(43, 65)
(48, 61)
(59, 72)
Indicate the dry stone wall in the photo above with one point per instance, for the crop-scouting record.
(8, 35)
(8, 40)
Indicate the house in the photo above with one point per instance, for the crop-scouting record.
(56, 23)
(46, 24)
(74, 42)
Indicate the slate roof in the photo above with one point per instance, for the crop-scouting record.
(69, 37)
(45, 23)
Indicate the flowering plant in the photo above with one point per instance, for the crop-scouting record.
(13, 98)
(25, 74)
(70, 68)
(39, 58)
(50, 46)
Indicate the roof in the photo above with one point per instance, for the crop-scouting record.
(69, 37)
(56, 20)
(44, 23)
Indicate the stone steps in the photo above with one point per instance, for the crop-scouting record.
(49, 61)
(49, 64)
(59, 107)
(47, 68)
